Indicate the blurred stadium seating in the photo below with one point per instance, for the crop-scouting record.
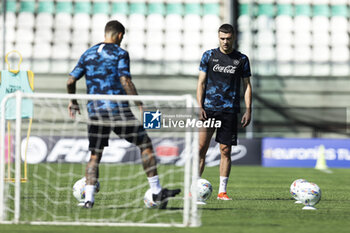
(160, 33)
(299, 49)
(296, 37)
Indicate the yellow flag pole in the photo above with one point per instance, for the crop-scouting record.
(25, 153)
(8, 150)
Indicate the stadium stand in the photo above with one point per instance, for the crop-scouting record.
(299, 49)
(157, 26)
(300, 54)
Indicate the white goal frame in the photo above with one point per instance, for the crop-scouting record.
(191, 167)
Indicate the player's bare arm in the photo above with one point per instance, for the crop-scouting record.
(248, 102)
(73, 106)
(130, 89)
(200, 93)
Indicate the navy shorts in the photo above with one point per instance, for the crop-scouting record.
(126, 126)
(227, 133)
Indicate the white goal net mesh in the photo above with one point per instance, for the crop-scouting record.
(54, 151)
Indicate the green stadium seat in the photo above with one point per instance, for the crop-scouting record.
(81, 16)
(63, 17)
(44, 18)
(100, 15)
(120, 11)
(155, 16)
(173, 17)
(11, 9)
(211, 16)
(25, 18)
(192, 17)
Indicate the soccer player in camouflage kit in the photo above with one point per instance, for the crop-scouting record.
(218, 94)
(107, 72)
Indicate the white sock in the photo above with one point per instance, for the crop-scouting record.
(223, 184)
(89, 193)
(154, 184)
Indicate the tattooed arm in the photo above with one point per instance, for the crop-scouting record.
(130, 89)
(73, 106)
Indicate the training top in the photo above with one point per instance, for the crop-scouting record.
(224, 74)
(103, 65)
(12, 82)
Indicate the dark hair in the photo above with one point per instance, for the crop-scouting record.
(114, 27)
(226, 28)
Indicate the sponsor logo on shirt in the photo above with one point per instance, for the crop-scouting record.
(224, 69)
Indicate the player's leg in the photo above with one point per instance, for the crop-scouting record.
(130, 129)
(205, 135)
(138, 136)
(225, 169)
(91, 174)
(225, 160)
(149, 162)
(226, 136)
(98, 138)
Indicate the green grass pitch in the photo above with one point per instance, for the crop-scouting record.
(261, 203)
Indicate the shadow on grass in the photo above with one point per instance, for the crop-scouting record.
(263, 199)
(216, 209)
(173, 208)
(140, 208)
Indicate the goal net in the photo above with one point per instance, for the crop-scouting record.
(42, 158)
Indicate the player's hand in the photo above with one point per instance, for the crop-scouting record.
(246, 118)
(202, 114)
(73, 109)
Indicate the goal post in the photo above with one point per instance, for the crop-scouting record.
(58, 152)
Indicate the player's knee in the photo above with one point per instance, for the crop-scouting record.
(225, 150)
(96, 156)
(145, 144)
(203, 148)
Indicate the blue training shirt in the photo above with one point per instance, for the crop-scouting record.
(224, 74)
(103, 65)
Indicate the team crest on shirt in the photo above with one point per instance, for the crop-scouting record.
(236, 62)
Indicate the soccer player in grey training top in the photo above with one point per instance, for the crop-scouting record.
(107, 72)
(218, 94)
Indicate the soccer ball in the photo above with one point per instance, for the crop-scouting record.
(309, 194)
(204, 189)
(148, 200)
(79, 189)
(294, 188)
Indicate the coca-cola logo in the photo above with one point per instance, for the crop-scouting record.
(224, 69)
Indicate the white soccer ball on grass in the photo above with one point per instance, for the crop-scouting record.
(148, 200)
(309, 194)
(79, 189)
(204, 189)
(294, 189)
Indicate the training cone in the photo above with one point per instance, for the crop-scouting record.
(321, 160)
